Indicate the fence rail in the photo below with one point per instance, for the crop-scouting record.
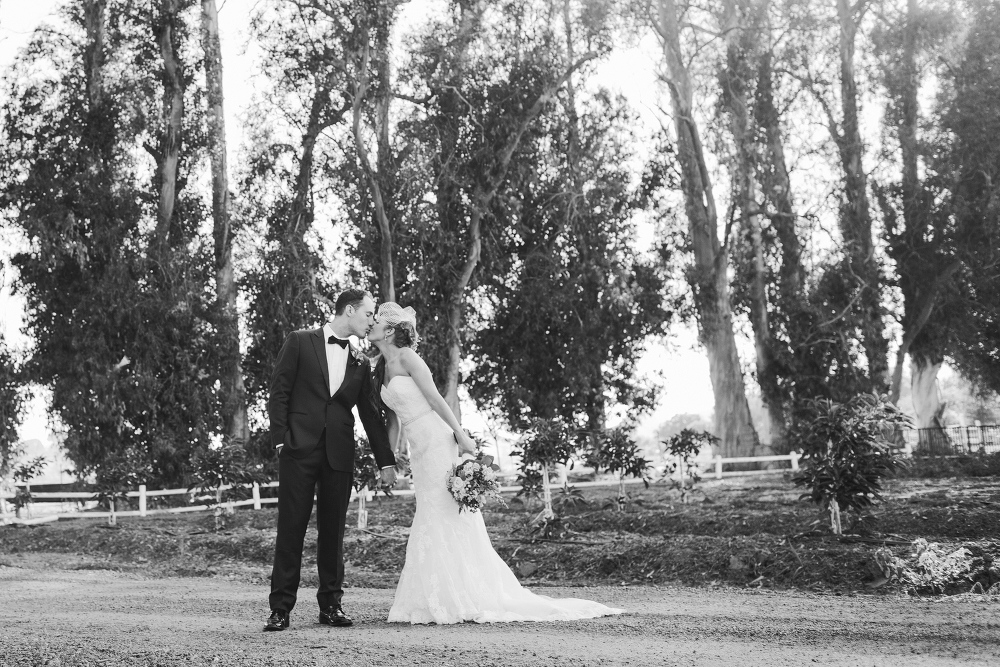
(949, 440)
(256, 501)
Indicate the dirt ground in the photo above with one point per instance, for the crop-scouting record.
(55, 616)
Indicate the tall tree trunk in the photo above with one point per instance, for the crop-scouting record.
(708, 277)
(169, 150)
(449, 196)
(234, 401)
(94, 12)
(924, 392)
(596, 401)
(790, 308)
(387, 289)
(321, 116)
(735, 81)
(911, 187)
(94, 58)
(921, 288)
(777, 186)
(856, 224)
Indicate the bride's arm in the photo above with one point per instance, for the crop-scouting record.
(421, 375)
(392, 427)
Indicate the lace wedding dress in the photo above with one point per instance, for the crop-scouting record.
(452, 574)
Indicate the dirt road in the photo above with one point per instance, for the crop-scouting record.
(99, 617)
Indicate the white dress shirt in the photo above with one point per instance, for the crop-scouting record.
(336, 359)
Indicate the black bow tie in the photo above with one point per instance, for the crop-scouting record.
(333, 340)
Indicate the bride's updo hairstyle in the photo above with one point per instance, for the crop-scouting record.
(403, 321)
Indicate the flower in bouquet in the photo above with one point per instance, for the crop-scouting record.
(474, 481)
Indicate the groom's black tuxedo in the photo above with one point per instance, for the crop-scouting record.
(316, 432)
(300, 406)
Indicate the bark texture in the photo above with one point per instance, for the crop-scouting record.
(924, 390)
(168, 152)
(708, 276)
(234, 401)
(736, 80)
(855, 216)
(376, 179)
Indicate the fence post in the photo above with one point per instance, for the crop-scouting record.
(718, 466)
(256, 496)
(793, 457)
(142, 500)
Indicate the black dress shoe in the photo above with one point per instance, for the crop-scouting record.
(277, 621)
(335, 616)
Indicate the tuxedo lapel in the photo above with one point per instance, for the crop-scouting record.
(349, 369)
(319, 347)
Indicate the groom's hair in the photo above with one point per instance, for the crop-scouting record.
(350, 297)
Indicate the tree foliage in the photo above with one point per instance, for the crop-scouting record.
(847, 451)
(124, 341)
(571, 302)
(13, 399)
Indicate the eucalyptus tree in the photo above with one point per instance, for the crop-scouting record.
(921, 238)
(939, 227)
(306, 67)
(379, 206)
(708, 274)
(477, 79)
(970, 95)
(849, 292)
(115, 289)
(570, 302)
(232, 392)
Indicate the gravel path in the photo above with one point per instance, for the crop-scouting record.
(99, 617)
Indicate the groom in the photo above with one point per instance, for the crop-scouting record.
(318, 377)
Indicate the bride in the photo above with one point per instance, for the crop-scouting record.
(451, 574)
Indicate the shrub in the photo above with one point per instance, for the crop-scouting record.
(224, 466)
(686, 445)
(547, 442)
(932, 567)
(22, 474)
(617, 453)
(116, 476)
(846, 452)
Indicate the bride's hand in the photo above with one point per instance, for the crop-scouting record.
(466, 445)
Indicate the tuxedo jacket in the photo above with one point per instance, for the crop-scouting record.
(300, 406)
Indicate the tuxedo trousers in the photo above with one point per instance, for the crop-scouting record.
(299, 478)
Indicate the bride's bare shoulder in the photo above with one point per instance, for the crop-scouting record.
(409, 357)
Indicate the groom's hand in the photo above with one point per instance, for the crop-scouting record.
(388, 477)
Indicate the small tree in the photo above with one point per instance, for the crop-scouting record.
(547, 442)
(847, 450)
(116, 476)
(618, 453)
(223, 466)
(366, 478)
(23, 473)
(683, 448)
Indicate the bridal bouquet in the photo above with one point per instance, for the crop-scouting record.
(474, 481)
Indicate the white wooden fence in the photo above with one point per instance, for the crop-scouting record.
(6, 516)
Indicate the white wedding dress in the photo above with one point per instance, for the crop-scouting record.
(452, 574)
